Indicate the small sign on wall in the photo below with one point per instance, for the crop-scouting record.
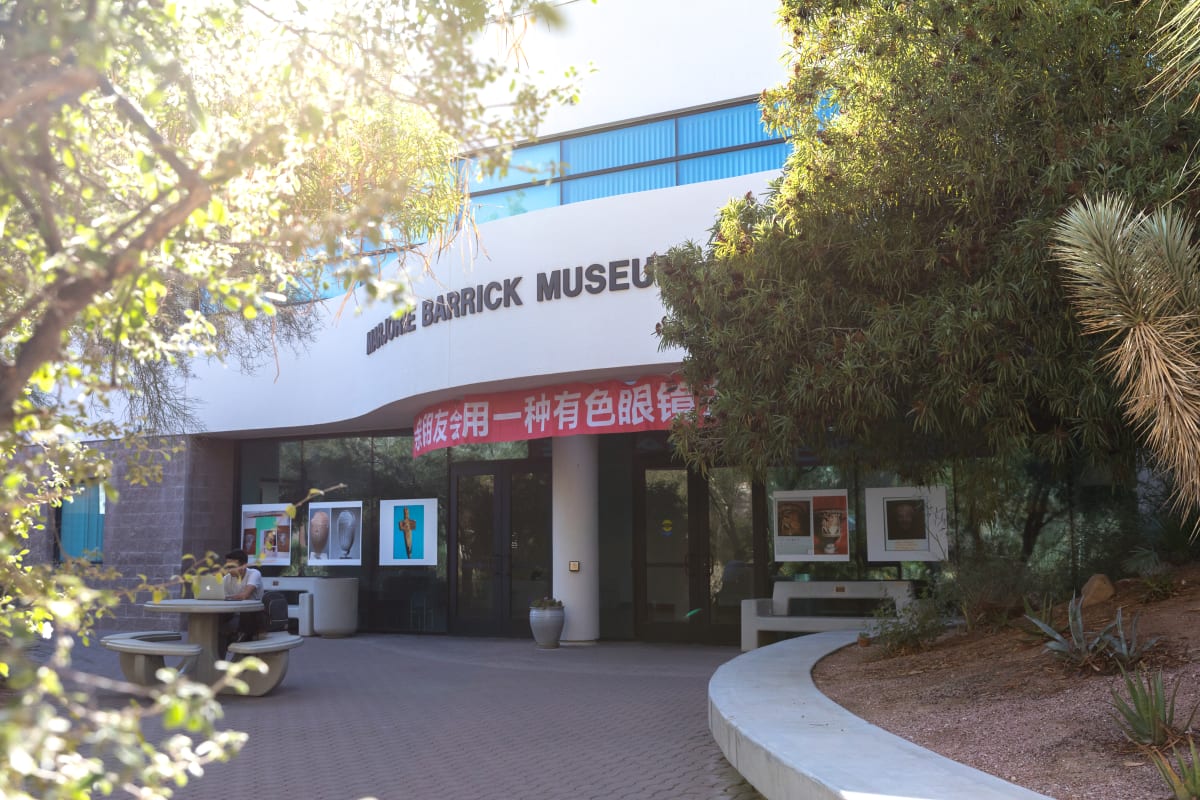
(408, 532)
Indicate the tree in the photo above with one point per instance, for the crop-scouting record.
(893, 300)
(171, 179)
(1133, 281)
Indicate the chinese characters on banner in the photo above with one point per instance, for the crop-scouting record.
(648, 404)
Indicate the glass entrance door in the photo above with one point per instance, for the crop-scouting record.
(695, 554)
(500, 521)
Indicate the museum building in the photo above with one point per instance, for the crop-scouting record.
(505, 439)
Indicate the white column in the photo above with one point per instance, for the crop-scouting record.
(576, 535)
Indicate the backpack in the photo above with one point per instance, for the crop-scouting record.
(275, 607)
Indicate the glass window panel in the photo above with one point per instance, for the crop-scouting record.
(729, 165)
(666, 545)
(619, 148)
(623, 182)
(725, 127)
(535, 162)
(513, 202)
(530, 535)
(82, 525)
(488, 451)
(476, 520)
(730, 543)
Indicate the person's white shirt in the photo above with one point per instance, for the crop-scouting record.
(234, 584)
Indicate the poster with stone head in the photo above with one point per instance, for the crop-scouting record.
(335, 533)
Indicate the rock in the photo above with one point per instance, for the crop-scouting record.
(1097, 590)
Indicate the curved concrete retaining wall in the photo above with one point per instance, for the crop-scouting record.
(794, 743)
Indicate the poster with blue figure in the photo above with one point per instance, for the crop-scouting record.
(410, 523)
(408, 531)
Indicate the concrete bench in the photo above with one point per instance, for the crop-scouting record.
(320, 606)
(273, 649)
(818, 606)
(790, 741)
(143, 653)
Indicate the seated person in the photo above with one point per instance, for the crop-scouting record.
(241, 583)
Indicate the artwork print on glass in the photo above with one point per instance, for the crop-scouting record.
(318, 533)
(409, 530)
(346, 531)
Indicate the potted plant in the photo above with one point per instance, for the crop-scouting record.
(546, 619)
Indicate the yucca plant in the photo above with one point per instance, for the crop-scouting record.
(1147, 717)
(1079, 648)
(1132, 278)
(1184, 775)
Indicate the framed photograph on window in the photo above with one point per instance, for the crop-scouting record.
(906, 523)
(811, 525)
(335, 533)
(264, 527)
(408, 532)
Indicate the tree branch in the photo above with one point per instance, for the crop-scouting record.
(69, 80)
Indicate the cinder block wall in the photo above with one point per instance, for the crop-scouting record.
(210, 487)
(149, 529)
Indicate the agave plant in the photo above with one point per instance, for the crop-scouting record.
(1079, 648)
(1184, 775)
(1147, 717)
(1126, 650)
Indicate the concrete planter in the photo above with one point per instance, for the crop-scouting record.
(547, 626)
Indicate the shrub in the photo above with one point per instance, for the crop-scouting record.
(1148, 716)
(986, 590)
(1158, 586)
(915, 627)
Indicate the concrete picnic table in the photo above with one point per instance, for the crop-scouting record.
(204, 624)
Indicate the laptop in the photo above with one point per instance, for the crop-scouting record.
(209, 587)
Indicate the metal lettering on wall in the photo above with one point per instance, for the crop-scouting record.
(607, 407)
(615, 276)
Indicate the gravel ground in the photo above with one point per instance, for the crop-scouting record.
(999, 702)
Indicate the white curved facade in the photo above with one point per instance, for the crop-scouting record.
(337, 385)
(650, 58)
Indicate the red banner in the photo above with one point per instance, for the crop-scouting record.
(647, 404)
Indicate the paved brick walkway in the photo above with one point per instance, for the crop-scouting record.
(415, 717)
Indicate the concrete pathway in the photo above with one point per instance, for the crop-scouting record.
(414, 717)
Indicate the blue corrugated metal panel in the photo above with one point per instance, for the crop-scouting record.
(534, 162)
(624, 182)
(515, 201)
(619, 148)
(728, 165)
(726, 127)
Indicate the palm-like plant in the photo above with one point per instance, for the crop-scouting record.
(1133, 278)
(1178, 46)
